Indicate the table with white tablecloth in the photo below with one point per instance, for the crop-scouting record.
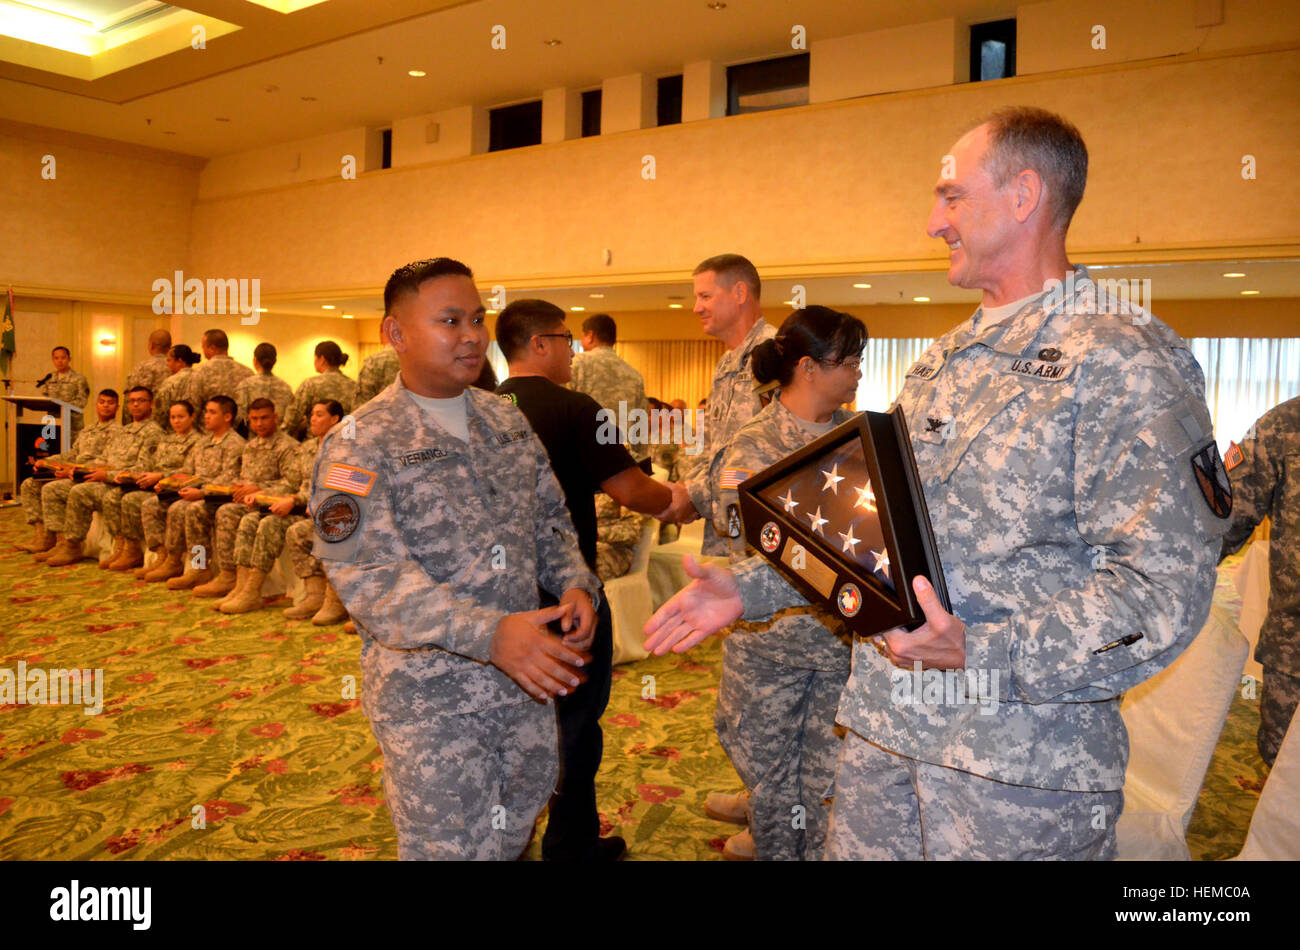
(667, 575)
(1252, 583)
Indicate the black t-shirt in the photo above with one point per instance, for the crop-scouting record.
(566, 423)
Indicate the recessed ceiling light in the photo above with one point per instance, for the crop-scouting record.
(862, 286)
(596, 296)
(417, 73)
(577, 309)
(348, 316)
(921, 299)
(490, 312)
(1234, 274)
(552, 42)
(1249, 293)
(263, 310)
(674, 306)
(327, 306)
(788, 303)
(716, 5)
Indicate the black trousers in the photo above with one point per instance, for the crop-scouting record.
(573, 825)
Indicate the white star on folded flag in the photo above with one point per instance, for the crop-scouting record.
(788, 500)
(850, 542)
(882, 562)
(866, 497)
(833, 479)
(817, 521)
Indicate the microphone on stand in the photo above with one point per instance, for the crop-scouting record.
(44, 379)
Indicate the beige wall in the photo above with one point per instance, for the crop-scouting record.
(833, 188)
(916, 56)
(313, 159)
(113, 219)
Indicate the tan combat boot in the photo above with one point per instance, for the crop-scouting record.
(350, 627)
(241, 578)
(119, 545)
(34, 545)
(52, 542)
(190, 579)
(159, 559)
(331, 611)
(739, 847)
(173, 565)
(312, 602)
(219, 586)
(65, 552)
(132, 556)
(249, 597)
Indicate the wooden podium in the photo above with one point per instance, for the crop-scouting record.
(34, 416)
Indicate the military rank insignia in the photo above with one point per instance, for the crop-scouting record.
(337, 517)
(733, 521)
(1212, 479)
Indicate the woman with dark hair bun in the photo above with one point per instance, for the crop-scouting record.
(328, 383)
(781, 680)
(180, 386)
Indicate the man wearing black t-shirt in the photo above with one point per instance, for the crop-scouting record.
(538, 347)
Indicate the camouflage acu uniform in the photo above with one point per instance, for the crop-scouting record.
(90, 444)
(261, 534)
(1056, 454)
(219, 376)
(214, 461)
(168, 455)
(270, 464)
(613, 382)
(180, 386)
(1266, 482)
(70, 387)
(732, 403)
(320, 388)
(301, 539)
(781, 680)
(127, 448)
(263, 386)
(666, 456)
(447, 539)
(617, 532)
(378, 370)
(150, 373)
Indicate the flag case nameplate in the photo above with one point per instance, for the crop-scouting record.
(844, 519)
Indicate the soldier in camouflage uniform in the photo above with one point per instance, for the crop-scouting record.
(180, 386)
(167, 456)
(151, 371)
(218, 374)
(124, 452)
(1078, 506)
(377, 371)
(610, 380)
(268, 465)
(89, 445)
(618, 530)
(263, 384)
(187, 522)
(781, 680)
(1265, 473)
(727, 291)
(436, 524)
(261, 535)
(329, 383)
(66, 385)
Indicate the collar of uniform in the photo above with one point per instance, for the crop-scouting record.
(734, 358)
(1017, 333)
(412, 407)
(792, 424)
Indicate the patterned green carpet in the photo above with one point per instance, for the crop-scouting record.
(250, 718)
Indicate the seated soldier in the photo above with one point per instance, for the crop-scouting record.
(90, 443)
(100, 491)
(214, 461)
(168, 456)
(261, 533)
(266, 466)
(618, 530)
(87, 450)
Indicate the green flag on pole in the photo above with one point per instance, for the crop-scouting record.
(7, 346)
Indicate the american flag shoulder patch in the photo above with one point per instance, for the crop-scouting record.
(732, 477)
(1233, 457)
(354, 481)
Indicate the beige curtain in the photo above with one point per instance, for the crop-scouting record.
(674, 369)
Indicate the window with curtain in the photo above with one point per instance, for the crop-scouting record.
(1244, 378)
(884, 362)
(674, 369)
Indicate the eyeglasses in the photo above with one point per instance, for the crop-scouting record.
(853, 364)
(566, 337)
